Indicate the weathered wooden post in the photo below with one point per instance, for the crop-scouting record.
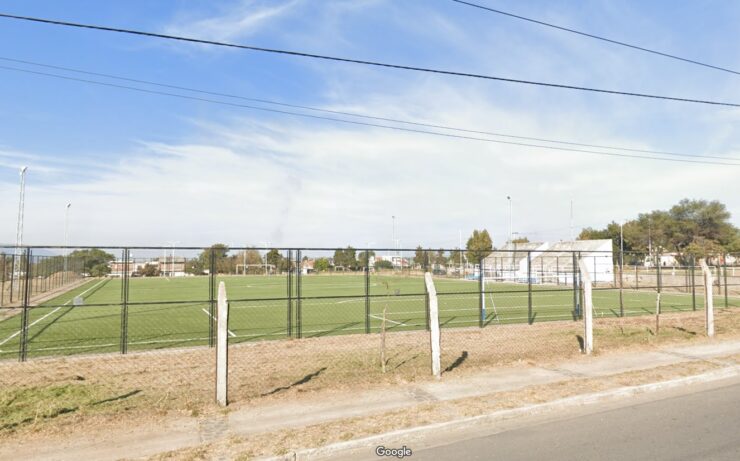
(433, 325)
(588, 334)
(708, 297)
(222, 347)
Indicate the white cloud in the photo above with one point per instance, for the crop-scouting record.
(252, 178)
(297, 182)
(242, 19)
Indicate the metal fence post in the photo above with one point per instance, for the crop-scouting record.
(124, 301)
(482, 294)
(2, 282)
(367, 291)
(212, 298)
(298, 306)
(529, 287)
(621, 283)
(289, 290)
(724, 269)
(23, 352)
(12, 276)
(693, 282)
(637, 277)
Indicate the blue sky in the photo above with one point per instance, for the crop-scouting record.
(146, 169)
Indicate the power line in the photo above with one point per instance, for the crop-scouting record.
(597, 37)
(368, 63)
(351, 114)
(359, 123)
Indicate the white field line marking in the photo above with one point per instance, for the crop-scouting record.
(388, 320)
(353, 300)
(42, 318)
(231, 333)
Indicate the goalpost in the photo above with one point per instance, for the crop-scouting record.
(262, 268)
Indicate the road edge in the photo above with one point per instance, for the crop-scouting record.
(539, 408)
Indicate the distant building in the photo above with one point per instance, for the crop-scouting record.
(307, 266)
(543, 262)
(398, 262)
(665, 259)
(167, 267)
(170, 267)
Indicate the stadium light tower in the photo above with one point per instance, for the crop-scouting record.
(21, 206)
(395, 242)
(19, 228)
(511, 236)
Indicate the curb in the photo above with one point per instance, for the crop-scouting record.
(716, 375)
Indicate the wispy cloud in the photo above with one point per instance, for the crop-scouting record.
(241, 19)
(297, 182)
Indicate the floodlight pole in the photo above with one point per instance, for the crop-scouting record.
(571, 221)
(395, 244)
(511, 236)
(66, 240)
(19, 228)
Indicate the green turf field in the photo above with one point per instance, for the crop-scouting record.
(174, 312)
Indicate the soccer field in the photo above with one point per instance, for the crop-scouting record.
(174, 312)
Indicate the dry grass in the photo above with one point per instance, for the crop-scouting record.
(286, 441)
(158, 385)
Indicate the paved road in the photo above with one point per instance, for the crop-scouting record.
(703, 425)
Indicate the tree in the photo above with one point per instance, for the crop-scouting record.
(520, 240)
(439, 258)
(690, 225)
(275, 259)
(149, 270)
(193, 266)
(383, 264)
(456, 257)
(419, 256)
(704, 248)
(361, 257)
(479, 246)
(95, 261)
(321, 265)
(221, 261)
(345, 258)
(100, 270)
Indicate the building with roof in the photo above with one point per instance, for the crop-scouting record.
(543, 262)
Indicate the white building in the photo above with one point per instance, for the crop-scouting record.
(543, 262)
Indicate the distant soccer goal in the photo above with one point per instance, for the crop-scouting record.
(255, 269)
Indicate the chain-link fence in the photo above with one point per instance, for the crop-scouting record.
(146, 316)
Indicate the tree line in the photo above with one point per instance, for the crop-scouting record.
(691, 227)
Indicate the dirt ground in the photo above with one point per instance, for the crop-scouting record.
(63, 396)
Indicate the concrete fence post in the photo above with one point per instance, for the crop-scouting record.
(433, 325)
(588, 334)
(222, 347)
(708, 297)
